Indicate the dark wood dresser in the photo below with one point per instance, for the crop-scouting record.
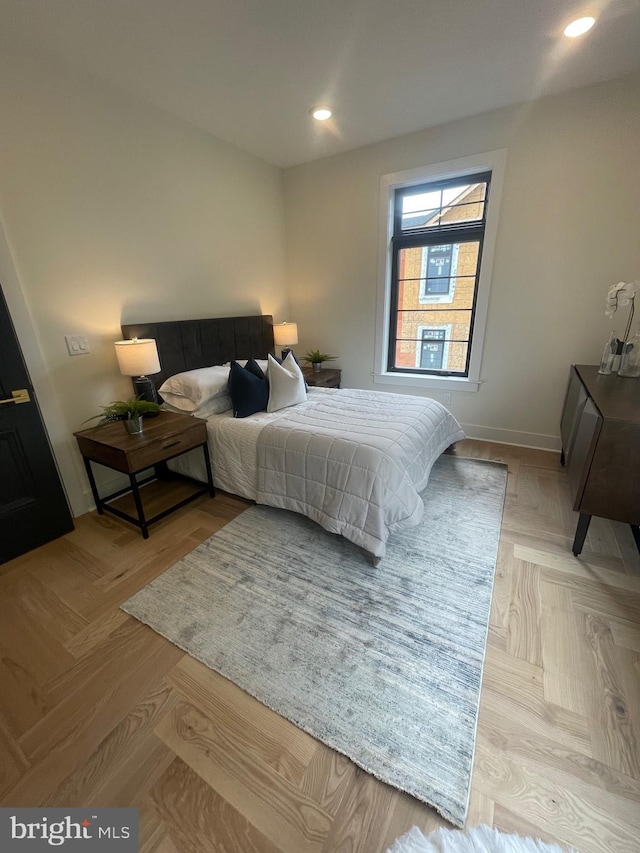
(600, 433)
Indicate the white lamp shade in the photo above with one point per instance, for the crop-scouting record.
(285, 334)
(138, 357)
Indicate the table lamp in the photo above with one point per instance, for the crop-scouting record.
(285, 335)
(137, 358)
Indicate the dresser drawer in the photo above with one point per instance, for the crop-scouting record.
(583, 444)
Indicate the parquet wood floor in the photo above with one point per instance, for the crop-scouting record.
(96, 709)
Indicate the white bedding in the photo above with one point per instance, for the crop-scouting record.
(354, 461)
(233, 447)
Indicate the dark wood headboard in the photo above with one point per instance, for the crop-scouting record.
(190, 344)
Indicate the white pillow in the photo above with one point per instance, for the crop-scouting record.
(186, 391)
(286, 384)
(210, 407)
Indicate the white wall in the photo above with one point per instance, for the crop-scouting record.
(569, 227)
(114, 211)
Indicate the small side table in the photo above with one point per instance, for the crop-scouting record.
(164, 437)
(323, 378)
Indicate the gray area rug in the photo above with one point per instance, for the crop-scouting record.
(382, 664)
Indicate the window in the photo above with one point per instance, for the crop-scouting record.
(436, 269)
(437, 273)
(432, 348)
(433, 222)
(437, 243)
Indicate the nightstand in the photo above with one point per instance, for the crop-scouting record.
(323, 378)
(164, 437)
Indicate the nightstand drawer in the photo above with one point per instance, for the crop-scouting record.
(324, 378)
(171, 445)
(323, 382)
(163, 437)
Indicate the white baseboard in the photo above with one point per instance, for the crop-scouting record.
(539, 441)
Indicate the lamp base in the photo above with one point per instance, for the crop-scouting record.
(284, 353)
(145, 390)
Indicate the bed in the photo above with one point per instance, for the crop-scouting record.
(354, 461)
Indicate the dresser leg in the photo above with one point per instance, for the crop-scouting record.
(581, 533)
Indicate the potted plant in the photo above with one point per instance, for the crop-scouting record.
(130, 411)
(315, 358)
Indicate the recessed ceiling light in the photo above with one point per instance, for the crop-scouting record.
(321, 113)
(578, 27)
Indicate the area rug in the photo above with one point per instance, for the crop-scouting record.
(482, 839)
(383, 664)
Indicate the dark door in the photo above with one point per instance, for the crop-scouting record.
(33, 506)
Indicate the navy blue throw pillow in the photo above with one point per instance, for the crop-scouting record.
(248, 388)
(253, 367)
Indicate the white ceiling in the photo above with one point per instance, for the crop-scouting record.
(249, 71)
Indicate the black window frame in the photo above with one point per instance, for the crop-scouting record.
(423, 236)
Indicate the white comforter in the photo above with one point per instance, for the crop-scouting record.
(356, 462)
(353, 461)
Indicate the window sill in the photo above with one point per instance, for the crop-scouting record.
(442, 383)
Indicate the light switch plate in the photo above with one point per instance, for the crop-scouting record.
(77, 344)
(446, 398)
